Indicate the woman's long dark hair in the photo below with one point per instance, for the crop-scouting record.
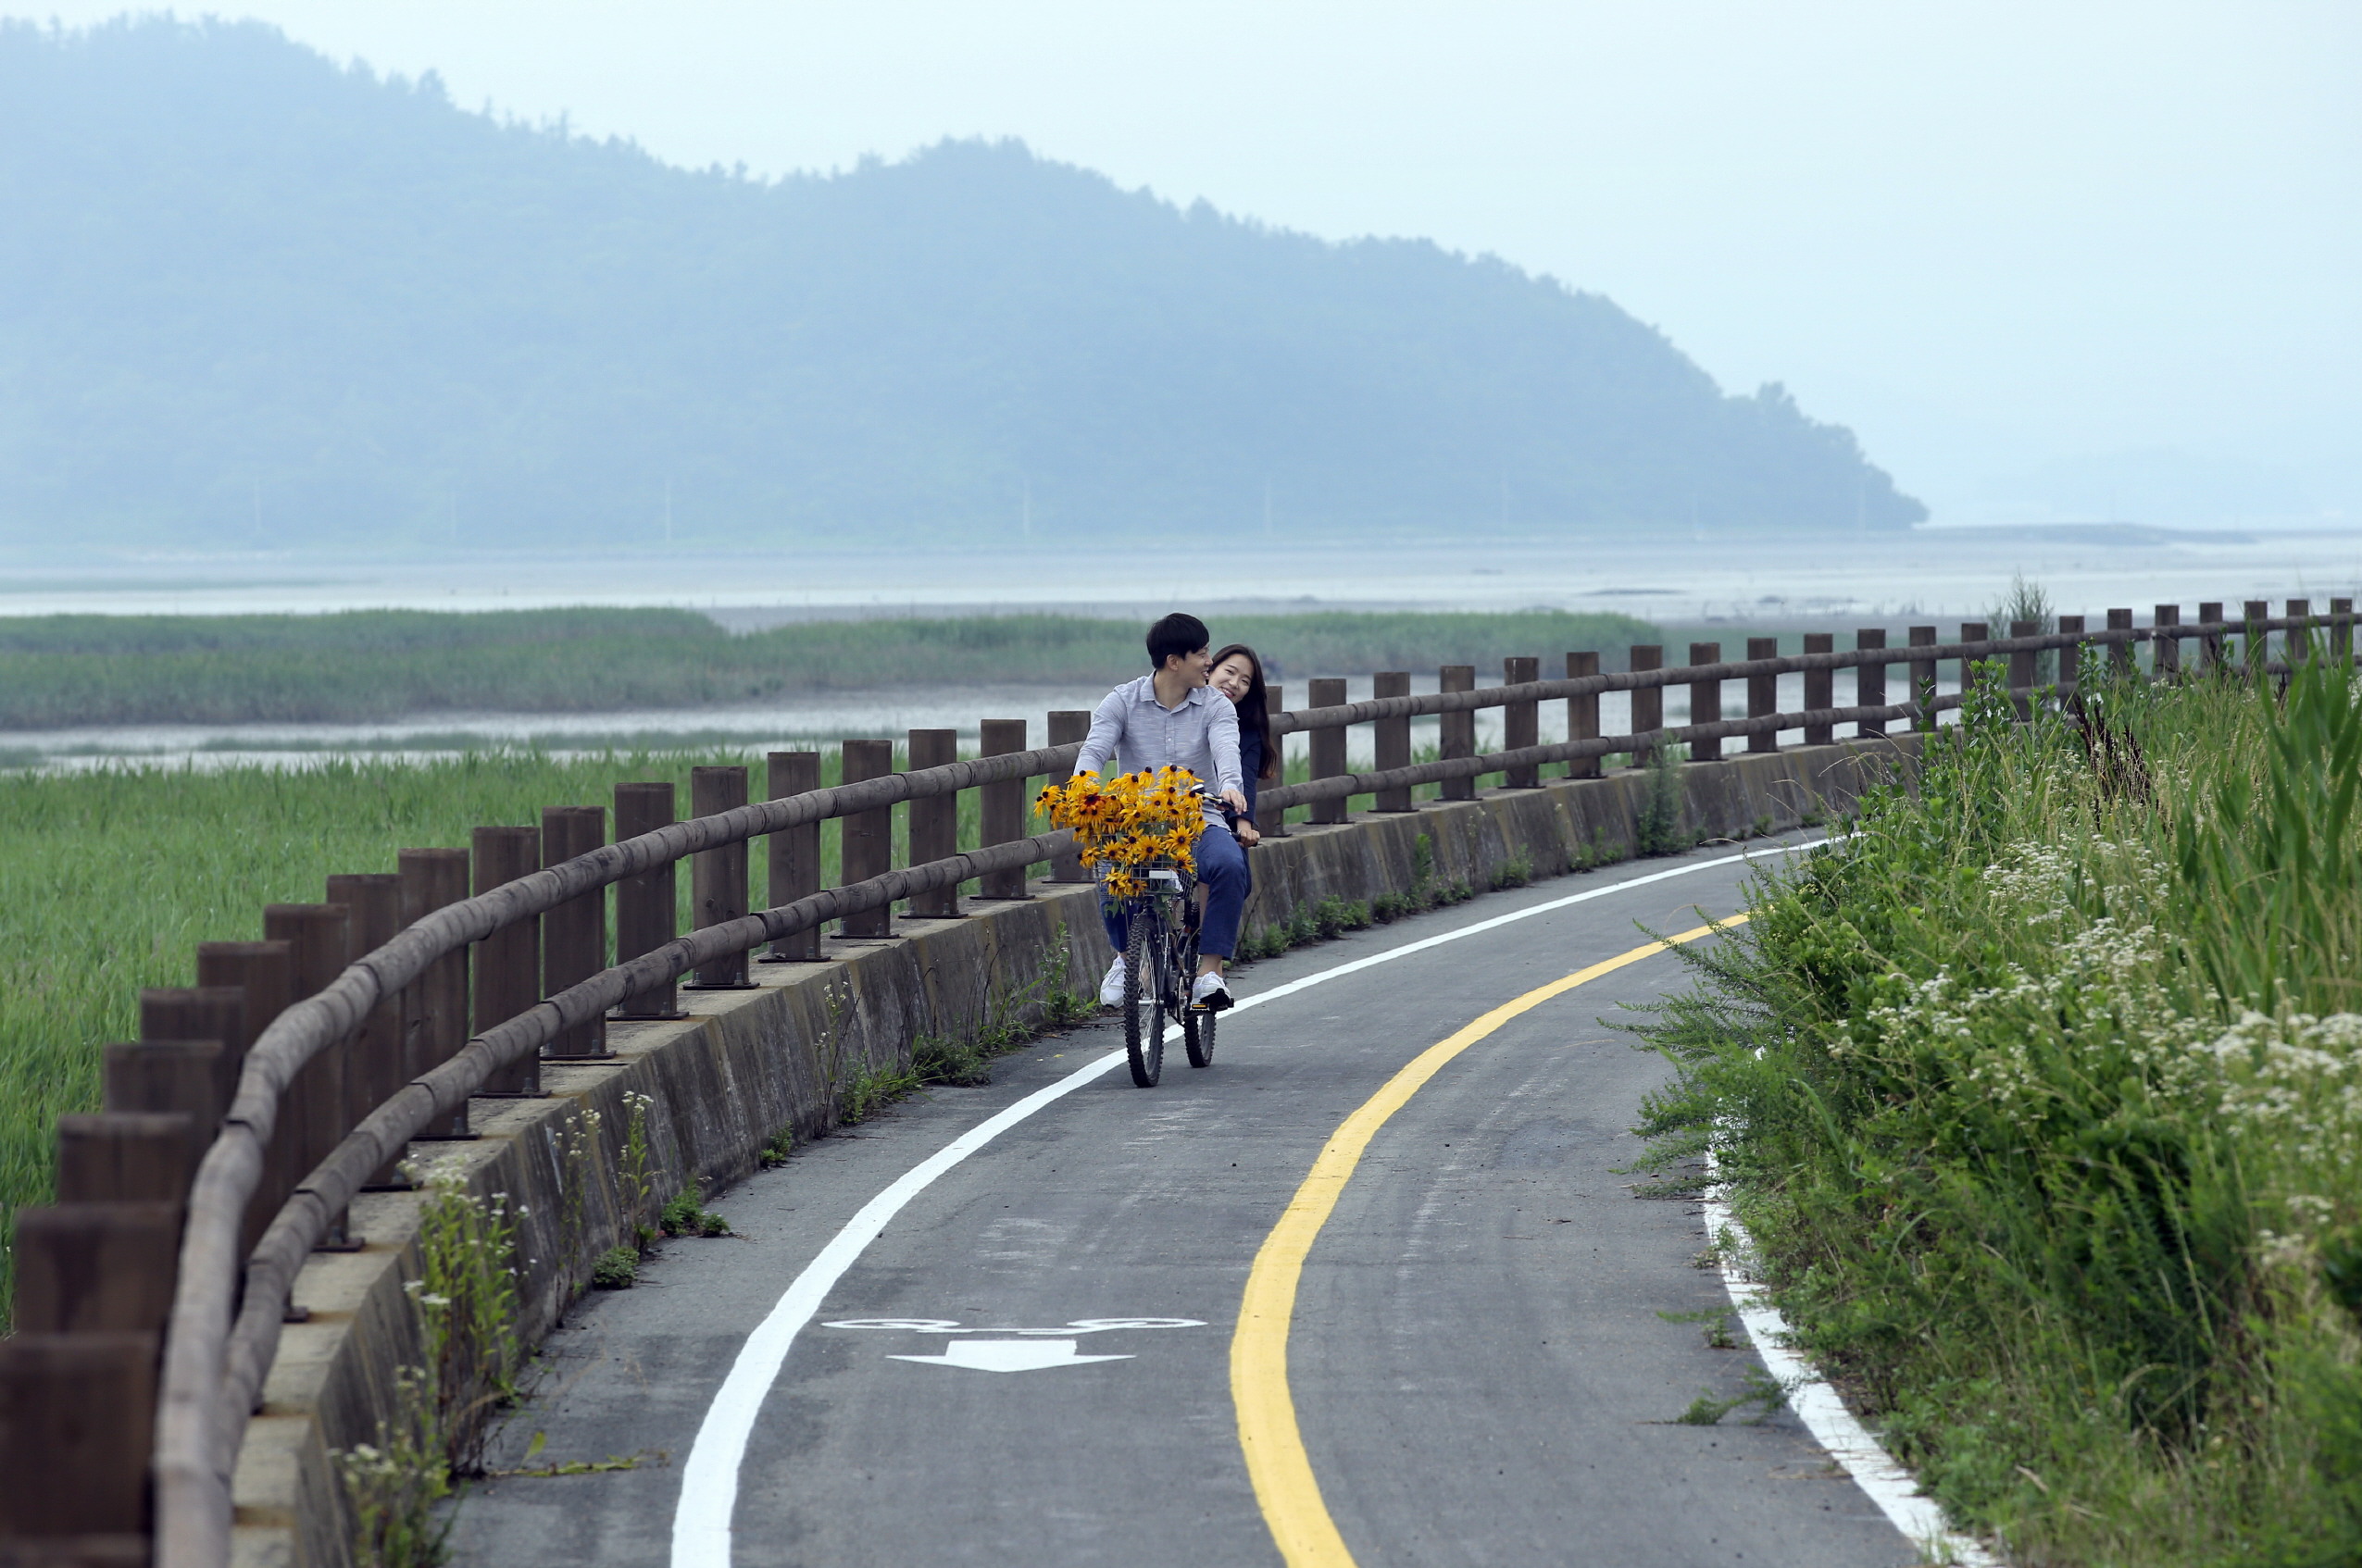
(1254, 713)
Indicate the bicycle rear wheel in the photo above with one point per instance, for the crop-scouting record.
(1197, 1024)
(1144, 996)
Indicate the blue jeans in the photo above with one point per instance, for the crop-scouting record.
(1221, 868)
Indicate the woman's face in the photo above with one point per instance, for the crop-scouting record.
(1232, 677)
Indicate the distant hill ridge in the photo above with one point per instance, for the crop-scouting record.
(252, 298)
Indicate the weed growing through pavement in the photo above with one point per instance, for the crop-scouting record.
(638, 1176)
(618, 1268)
(467, 1301)
(575, 1172)
(686, 1215)
(1716, 1321)
(577, 1467)
(1761, 1389)
(393, 1484)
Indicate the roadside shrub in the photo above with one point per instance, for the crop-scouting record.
(1658, 828)
(2042, 1097)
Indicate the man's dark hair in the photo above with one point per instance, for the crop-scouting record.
(1176, 634)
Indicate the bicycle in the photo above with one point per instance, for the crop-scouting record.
(1161, 965)
(1160, 968)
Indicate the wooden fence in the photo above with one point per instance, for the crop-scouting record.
(298, 1068)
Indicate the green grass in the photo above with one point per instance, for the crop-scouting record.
(369, 665)
(2042, 1098)
(112, 878)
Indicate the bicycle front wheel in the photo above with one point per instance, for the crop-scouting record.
(1144, 996)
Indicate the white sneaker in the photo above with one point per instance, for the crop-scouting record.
(1111, 989)
(1210, 992)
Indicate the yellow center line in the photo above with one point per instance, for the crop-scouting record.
(1284, 1485)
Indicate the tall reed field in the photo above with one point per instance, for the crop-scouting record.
(2041, 1097)
(111, 879)
(365, 666)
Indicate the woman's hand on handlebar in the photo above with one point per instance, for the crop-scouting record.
(1248, 834)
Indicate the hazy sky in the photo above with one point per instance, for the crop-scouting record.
(1988, 236)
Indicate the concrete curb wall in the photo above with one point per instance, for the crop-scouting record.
(750, 1063)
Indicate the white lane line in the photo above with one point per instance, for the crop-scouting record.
(700, 1519)
(1816, 1404)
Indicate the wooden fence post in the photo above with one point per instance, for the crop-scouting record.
(2258, 648)
(1275, 703)
(508, 962)
(1071, 727)
(1971, 631)
(1329, 747)
(1869, 684)
(647, 907)
(128, 1156)
(792, 857)
(263, 971)
(311, 1114)
(94, 1268)
(1000, 810)
(2210, 659)
(2119, 654)
(215, 1013)
(1582, 713)
(2342, 634)
(1392, 737)
(2070, 658)
(717, 877)
(373, 1057)
(1706, 701)
(1820, 691)
(935, 824)
(162, 1076)
(434, 1007)
(1923, 679)
(1457, 730)
(2165, 648)
(1521, 722)
(2021, 669)
(2299, 643)
(574, 934)
(1763, 694)
(866, 847)
(1648, 703)
(77, 1427)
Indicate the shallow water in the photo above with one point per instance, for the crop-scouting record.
(820, 721)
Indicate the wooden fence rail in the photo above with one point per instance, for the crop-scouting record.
(258, 1105)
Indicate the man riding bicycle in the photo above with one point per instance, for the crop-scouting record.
(1171, 718)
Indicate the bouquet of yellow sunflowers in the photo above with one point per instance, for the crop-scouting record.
(1126, 825)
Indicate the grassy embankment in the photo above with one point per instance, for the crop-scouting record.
(369, 665)
(2042, 1098)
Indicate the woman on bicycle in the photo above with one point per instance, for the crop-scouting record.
(1237, 673)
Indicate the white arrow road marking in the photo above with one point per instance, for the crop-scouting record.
(951, 1325)
(1008, 1355)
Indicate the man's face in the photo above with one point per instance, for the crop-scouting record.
(1191, 665)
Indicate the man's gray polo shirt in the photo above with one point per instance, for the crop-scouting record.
(1201, 734)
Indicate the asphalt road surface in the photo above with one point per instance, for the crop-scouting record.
(1031, 1360)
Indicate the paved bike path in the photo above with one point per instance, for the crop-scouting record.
(1480, 1372)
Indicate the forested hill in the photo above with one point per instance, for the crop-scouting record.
(249, 297)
